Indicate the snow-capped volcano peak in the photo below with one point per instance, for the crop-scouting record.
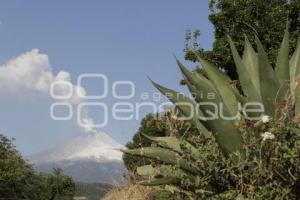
(90, 157)
(96, 145)
(87, 146)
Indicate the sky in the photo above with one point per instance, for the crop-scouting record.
(46, 41)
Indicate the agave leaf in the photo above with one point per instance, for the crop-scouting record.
(295, 78)
(269, 84)
(295, 59)
(175, 144)
(225, 131)
(244, 75)
(189, 111)
(165, 156)
(160, 181)
(250, 60)
(146, 170)
(195, 78)
(196, 95)
(222, 85)
(282, 65)
(200, 85)
(165, 171)
(170, 142)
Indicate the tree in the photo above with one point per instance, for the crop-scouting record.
(15, 173)
(62, 186)
(54, 186)
(18, 180)
(237, 18)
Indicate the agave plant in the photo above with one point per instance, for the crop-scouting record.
(276, 90)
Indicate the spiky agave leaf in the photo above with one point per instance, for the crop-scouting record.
(222, 85)
(164, 171)
(244, 73)
(225, 131)
(173, 176)
(282, 64)
(269, 84)
(164, 155)
(146, 170)
(175, 144)
(295, 78)
(250, 60)
(160, 181)
(211, 89)
(294, 62)
(169, 176)
(185, 105)
(202, 85)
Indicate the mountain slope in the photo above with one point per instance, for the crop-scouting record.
(89, 157)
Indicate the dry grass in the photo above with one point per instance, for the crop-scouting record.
(130, 192)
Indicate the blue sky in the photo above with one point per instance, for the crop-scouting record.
(125, 40)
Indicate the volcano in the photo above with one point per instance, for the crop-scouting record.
(89, 157)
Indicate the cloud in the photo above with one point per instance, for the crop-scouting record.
(31, 71)
(77, 92)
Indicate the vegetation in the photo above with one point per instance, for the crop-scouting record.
(131, 192)
(241, 157)
(18, 180)
(54, 186)
(15, 172)
(250, 17)
(92, 191)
